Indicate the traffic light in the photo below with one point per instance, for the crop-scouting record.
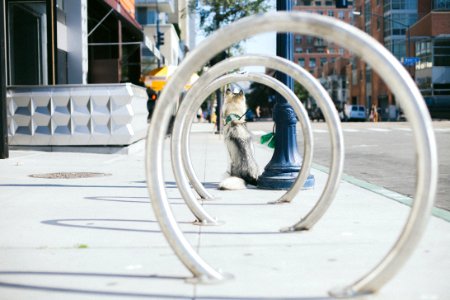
(341, 3)
(160, 38)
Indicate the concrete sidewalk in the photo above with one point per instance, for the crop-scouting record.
(97, 237)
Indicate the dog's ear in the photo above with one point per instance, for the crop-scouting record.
(228, 92)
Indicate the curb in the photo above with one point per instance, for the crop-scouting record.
(437, 212)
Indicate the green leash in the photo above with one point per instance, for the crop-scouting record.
(269, 138)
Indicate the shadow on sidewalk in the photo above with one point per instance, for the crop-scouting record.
(49, 288)
(129, 199)
(91, 225)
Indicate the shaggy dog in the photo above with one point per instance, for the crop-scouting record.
(243, 167)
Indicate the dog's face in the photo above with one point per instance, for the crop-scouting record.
(235, 96)
(234, 102)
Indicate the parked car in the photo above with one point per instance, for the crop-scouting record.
(355, 113)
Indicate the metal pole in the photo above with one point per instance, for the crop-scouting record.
(158, 45)
(4, 150)
(282, 170)
(218, 111)
(52, 47)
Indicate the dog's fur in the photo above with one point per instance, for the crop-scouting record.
(243, 168)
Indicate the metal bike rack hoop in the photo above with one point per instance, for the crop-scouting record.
(179, 151)
(358, 42)
(189, 107)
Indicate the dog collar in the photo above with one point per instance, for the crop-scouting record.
(232, 117)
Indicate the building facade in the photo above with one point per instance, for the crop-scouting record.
(72, 70)
(99, 41)
(431, 36)
(175, 24)
(388, 22)
(326, 61)
(310, 51)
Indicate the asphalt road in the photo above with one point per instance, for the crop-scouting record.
(382, 154)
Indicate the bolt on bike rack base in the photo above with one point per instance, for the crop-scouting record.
(380, 59)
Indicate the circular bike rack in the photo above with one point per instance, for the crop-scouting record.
(177, 149)
(188, 108)
(380, 59)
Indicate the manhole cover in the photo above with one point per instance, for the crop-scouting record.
(69, 175)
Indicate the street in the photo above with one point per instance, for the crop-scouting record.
(381, 153)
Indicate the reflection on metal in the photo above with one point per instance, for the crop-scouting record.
(358, 42)
(180, 153)
(94, 114)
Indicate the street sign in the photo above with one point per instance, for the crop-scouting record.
(410, 61)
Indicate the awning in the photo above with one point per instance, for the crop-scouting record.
(119, 9)
(157, 78)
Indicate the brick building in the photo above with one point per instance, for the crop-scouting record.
(431, 34)
(310, 51)
(388, 22)
(324, 60)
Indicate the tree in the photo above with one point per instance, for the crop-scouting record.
(300, 92)
(217, 13)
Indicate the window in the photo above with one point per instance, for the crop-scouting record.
(298, 39)
(312, 62)
(441, 4)
(318, 3)
(323, 60)
(301, 61)
(27, 35)
(299, 50)
(341, 15)
(442, 53)
(401, 4)
(60, 4)
(397, 23)
(145, 16)
(331, 13)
